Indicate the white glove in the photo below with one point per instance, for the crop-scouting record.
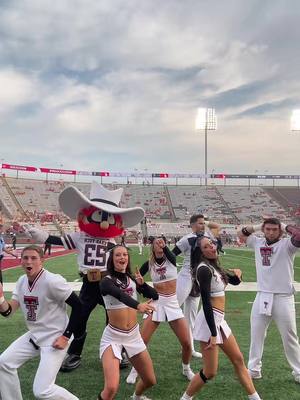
(37, 235)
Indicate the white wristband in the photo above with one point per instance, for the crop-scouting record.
(2, 300)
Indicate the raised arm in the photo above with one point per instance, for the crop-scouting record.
(294, 231)
(248, 230)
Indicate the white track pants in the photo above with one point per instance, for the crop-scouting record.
(283, 313)
(44, 387)
(190, 304)
(140, 244)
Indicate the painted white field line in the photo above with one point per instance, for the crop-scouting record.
(242, 287)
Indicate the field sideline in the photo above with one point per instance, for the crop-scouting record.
(87, 381)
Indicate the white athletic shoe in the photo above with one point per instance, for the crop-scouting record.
(296, 377)
(255, 374)
(142, 397)
(188, 373)
(196, 354)
(131, 378)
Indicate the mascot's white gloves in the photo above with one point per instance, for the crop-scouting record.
(37, 235)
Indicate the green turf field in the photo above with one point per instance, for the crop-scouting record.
(87, 381)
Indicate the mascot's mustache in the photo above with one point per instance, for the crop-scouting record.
(104, 224)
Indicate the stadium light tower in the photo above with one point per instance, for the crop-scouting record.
(295, 120)
(206, 120)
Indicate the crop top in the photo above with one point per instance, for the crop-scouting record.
(120, 291)
(211, 284)
(163, 269)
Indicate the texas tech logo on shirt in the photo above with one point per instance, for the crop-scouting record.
(266, 254)
(31, 303)
(128, 291)
(161, 272)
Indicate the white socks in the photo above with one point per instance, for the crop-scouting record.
(254, 396)
(186, 397)
(187, 371)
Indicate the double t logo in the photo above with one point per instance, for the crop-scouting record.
(31, 303)
(266, 254)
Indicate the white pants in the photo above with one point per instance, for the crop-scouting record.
(190, 303)
(44, 387)
(140, 244)
(283, 313)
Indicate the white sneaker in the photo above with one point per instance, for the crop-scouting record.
(131, 378)
(196, 354)
(188, 373)
(296, 377)
(141, 397)
(255, 374)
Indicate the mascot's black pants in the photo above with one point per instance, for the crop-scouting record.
(90, 297)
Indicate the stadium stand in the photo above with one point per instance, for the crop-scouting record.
(248, 204)
(168, 208)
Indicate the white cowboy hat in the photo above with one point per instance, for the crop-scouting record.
(71, 201)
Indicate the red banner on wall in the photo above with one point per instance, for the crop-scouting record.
(58, 171)
(19, 167)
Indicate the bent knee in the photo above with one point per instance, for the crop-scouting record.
(41, 393)
(111, 390)
(186, 345)
(150, 381)
(238, 360)
(209, 374)
(5, 365)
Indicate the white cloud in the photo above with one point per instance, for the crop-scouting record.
(16, 89)
(118, 83)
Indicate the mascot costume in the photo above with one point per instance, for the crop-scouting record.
(100, 220)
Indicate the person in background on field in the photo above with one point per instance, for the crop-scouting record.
(140, 242)
(187, 295)
(3, 249)
(47, 248)
(13, 237)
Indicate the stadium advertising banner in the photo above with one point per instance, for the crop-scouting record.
(138, 174)
(86, 173)
(58, 171)
(19, 167)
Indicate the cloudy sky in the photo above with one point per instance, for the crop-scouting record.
(115, 84)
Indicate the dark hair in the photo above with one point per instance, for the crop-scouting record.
(151, 254)
(33, 247)
(272, 221)
(197, 257)
(195, 217)
(110, 262)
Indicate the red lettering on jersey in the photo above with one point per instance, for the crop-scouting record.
(161, 271)
(128, 290)
(266, 254)
(31, 303)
